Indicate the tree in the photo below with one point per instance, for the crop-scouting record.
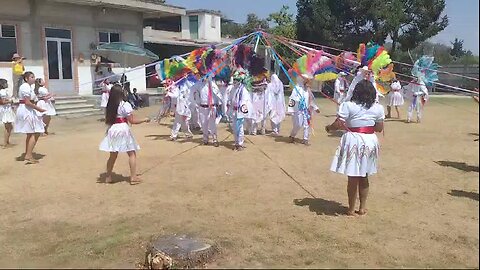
(284, 25)
(254, 24)
(350, 22)
(410, 22)
(457, 50)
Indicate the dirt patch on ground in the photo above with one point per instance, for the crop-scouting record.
(273, 205)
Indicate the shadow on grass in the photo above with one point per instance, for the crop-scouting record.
(322, 207)
(116, 178)
(35, 156)
(458, 165)
(465, 194)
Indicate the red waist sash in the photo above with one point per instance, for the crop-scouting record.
(121, 120)
(364, 130)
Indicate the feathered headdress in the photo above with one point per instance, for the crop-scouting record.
(241, 75)
(375, 57)
(174, 68)
(242, 55)
(258, 72)
(315, 65)
(425, 70)
(345, 62)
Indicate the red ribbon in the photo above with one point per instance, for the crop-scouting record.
(364, 130)
(121, 120)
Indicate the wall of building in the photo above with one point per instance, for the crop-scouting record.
(211, 30)
(32, 16)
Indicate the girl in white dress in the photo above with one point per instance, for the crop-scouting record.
(7, 116)
(357, 154)
(29, 116)
(119, 138)
(106, 86)
(45, 101)
(395, 99)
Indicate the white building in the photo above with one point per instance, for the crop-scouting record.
(58, 37)
(170, 35)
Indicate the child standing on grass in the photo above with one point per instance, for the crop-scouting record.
(119, 137)
(29, 117)
(7, 115)
(357, 154)
(45, 101)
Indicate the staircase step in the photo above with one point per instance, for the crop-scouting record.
(66, 102)
(79, 111)
(84, 114)
(69, 98)
(74, 106)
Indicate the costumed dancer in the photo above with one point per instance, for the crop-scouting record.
(209, 103)
(45, 101)
(241, 107)
(357, 154)
(395, 99)
(299, 105)
(194, 110)
(425, 72)
(417, 94)
(363, 74)
(341, 86)
(276, 96)
(180, 94)
(260, 77)
(119, 137)
(7, 115)
(29, 117)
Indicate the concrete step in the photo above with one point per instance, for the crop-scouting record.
(65, 107)
(84, 114)
(68, 98)
(79, 112)
(67, 102)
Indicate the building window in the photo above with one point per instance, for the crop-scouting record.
(8, 42)
(213, 22)
(107, 37)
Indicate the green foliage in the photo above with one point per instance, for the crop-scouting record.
(457, 48)
(347, 23)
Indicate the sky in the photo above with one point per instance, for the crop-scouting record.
(463, 15)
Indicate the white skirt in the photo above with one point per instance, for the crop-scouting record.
(357, 155)
(48, 107)
(104, 101)
(395, 98)
(7, 115)
(28, 120)
(119, 138)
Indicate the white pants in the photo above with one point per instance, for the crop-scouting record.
(238, 131)
(208, 117)
(195, 120)
(300, 121)
(253, 126)
(180, 122)
(275, 127)
(415, 104)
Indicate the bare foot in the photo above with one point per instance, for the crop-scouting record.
(108, 179)
(29, 161)
(362, 212)
(351, 213)
(135, 181)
